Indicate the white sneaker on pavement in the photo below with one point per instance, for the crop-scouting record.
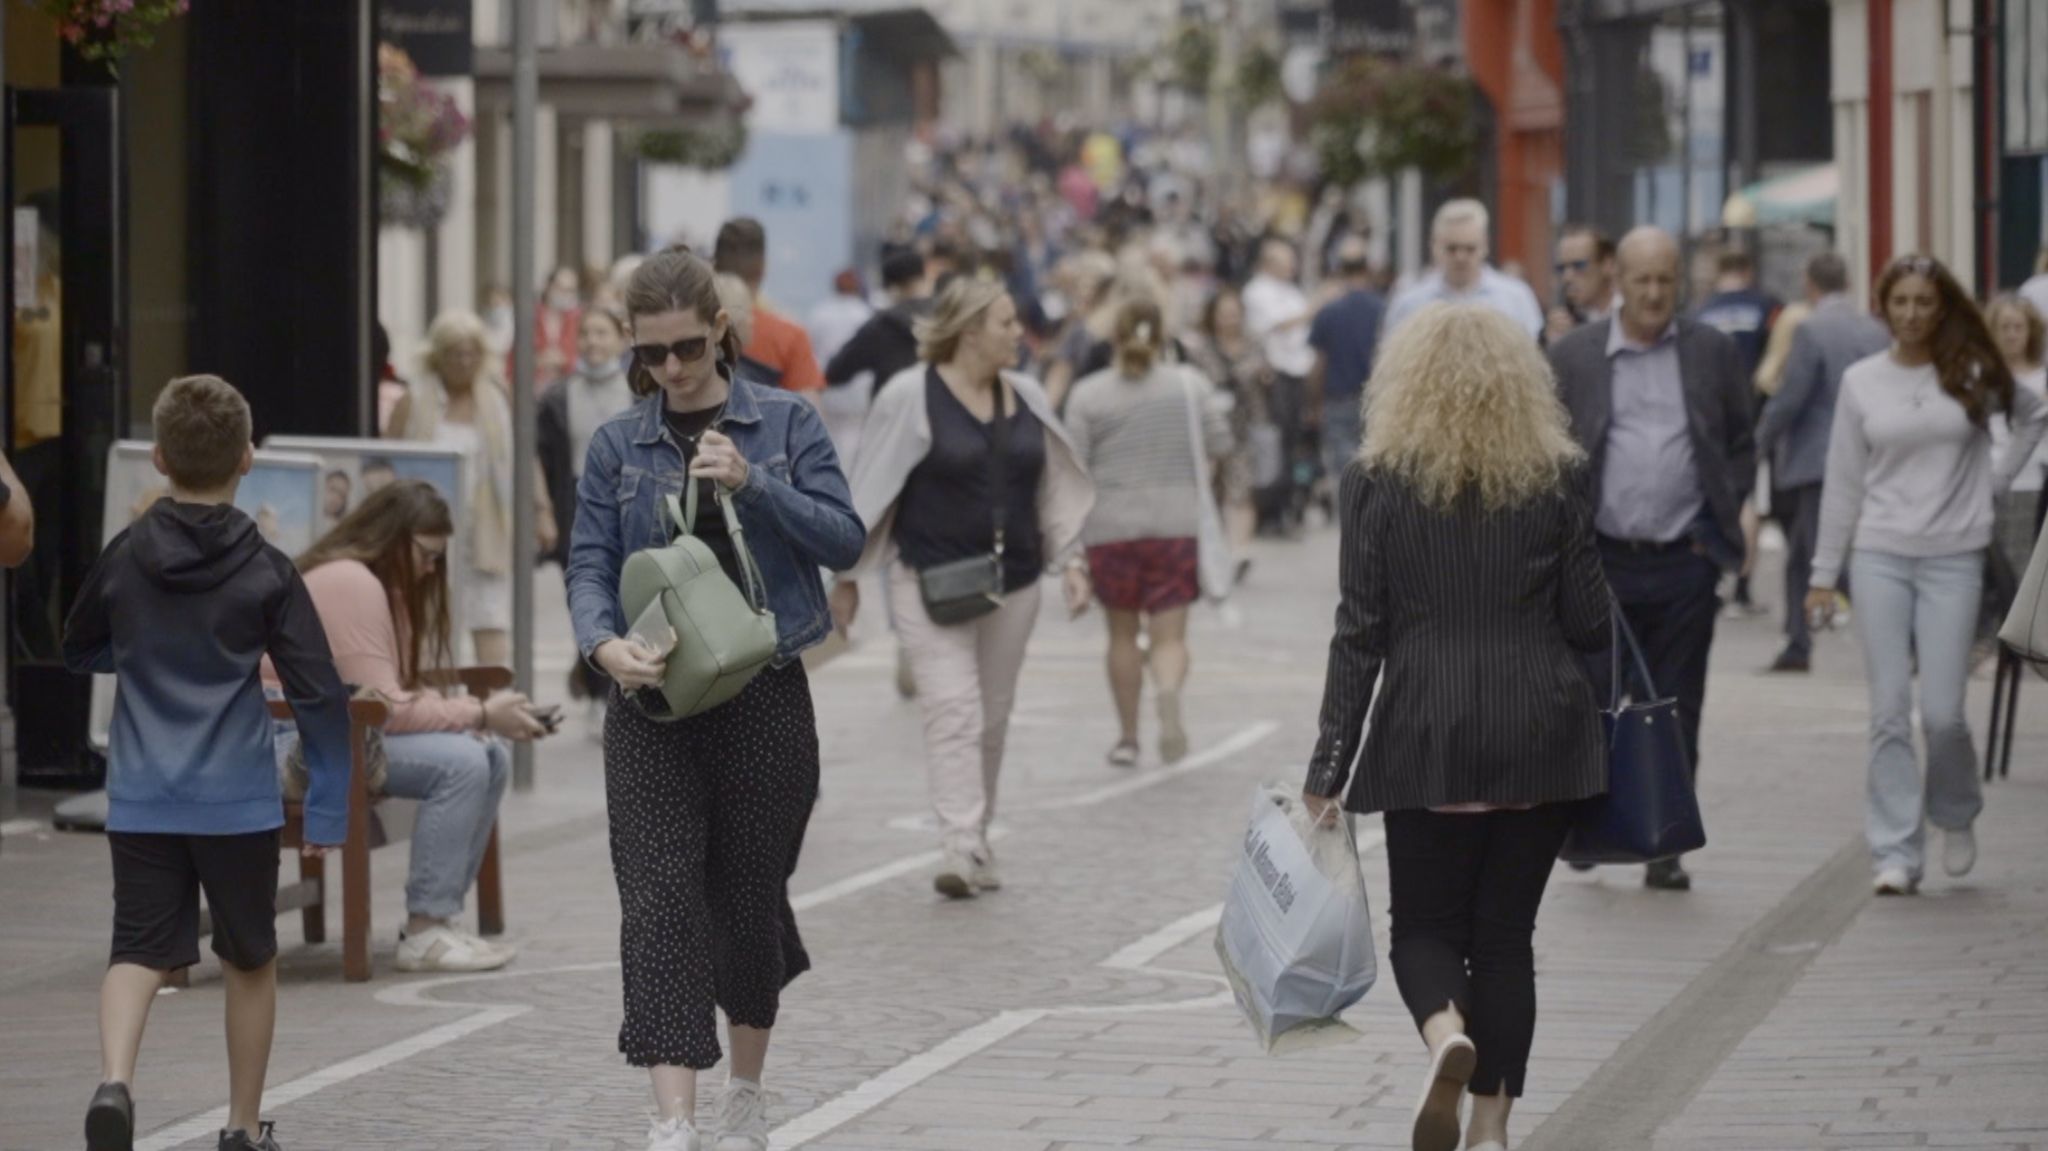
(743, 1117)
(955, 879)
(982, 871)
(443, 948)
(1439, 1114)
(503, 947)
(1895, 881)
(1959, 851)
(673, 1135)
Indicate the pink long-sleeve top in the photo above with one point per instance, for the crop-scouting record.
(362, 630)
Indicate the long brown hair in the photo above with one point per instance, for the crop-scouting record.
(676, 279)
(1966, 358)
(379, 535)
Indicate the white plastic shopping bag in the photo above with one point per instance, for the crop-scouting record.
(1296, 938)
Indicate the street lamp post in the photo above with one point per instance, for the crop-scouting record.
(525, 95)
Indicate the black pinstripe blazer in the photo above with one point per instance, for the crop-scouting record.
(1471, 624)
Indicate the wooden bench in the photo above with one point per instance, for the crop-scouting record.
(309, 896)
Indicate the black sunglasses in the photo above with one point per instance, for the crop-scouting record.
(655, 356)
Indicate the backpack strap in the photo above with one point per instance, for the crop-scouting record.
(683, 511)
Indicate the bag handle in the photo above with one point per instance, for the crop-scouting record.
(999, 466)
(1618, 631)
(683, 510)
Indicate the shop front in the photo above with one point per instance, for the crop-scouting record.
(197, 205)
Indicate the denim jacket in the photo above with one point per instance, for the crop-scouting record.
(795, 507)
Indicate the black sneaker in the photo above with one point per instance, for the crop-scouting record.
(1667, 875)
(240, 1141)
(110, 1121)
(1791, 662)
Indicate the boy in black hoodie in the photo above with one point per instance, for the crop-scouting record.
(181, 608)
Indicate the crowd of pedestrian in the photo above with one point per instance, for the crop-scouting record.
(1087, 367)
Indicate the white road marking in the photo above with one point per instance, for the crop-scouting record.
(1207, 758)
(1140, 954)
(828, 1116)
(844, 1109)
(207, 1125)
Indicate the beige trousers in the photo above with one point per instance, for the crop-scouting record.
(966, 685)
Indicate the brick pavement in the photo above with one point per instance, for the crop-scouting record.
(997, 1025)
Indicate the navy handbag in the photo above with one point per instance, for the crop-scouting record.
(1650, 810)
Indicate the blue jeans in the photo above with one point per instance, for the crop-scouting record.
(458, 780)
(1929, 605)
(1343, 426)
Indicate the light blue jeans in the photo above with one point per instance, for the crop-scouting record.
(1928, 605)
(458, 780)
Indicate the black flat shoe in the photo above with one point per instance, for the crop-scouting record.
(1792, 663)
(110, 1121)
(1667, 875)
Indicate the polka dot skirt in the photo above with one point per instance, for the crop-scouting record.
(707, 819)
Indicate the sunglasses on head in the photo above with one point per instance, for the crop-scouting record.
(655, 356)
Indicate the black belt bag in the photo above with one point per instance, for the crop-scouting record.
(962, 591)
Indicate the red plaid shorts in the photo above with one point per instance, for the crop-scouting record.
(1148, 576)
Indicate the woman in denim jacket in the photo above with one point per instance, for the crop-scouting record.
(708, 813)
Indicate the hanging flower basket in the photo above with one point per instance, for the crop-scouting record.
(107, 30)
(418, 125)
(713, 148)
(1378, 117)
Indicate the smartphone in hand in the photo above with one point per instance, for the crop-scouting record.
(550, 717)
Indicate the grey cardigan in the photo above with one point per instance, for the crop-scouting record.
(1797, 422)
(898, 435)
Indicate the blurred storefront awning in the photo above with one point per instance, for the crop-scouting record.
(1804, 197)
(640, 83)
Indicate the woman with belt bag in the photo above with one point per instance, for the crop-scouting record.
(970, 490)
(707, 812)
(1471, 594)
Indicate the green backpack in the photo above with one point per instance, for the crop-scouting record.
(724, 635)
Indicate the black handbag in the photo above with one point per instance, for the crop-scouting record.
(1650, 810)
(962, 591)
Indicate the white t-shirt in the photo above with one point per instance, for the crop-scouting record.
(1269, 304)
(2035, 292)
(2029, 477)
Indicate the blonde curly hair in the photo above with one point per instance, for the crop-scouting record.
(1462, 401)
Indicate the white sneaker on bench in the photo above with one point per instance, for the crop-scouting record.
(445, 949)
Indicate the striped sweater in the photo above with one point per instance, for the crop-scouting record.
(1133, 437)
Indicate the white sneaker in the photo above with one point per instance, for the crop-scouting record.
(673, 1135)
(982, 873)
(1439, 1115)
(955, 879)
(1959, 851)
(1895, 881)
(743, 1117)
(445, 949)
(503, 947)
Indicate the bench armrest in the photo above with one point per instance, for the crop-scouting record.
(361, 712)
(477, 681)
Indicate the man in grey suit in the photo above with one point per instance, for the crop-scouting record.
(1796, 425)
(1663, 409)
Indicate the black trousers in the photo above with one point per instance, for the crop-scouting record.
(1671, 600)
(707, 818)
(1465, 889)
(1798, 511)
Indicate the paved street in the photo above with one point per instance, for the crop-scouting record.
(1775, 1007)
